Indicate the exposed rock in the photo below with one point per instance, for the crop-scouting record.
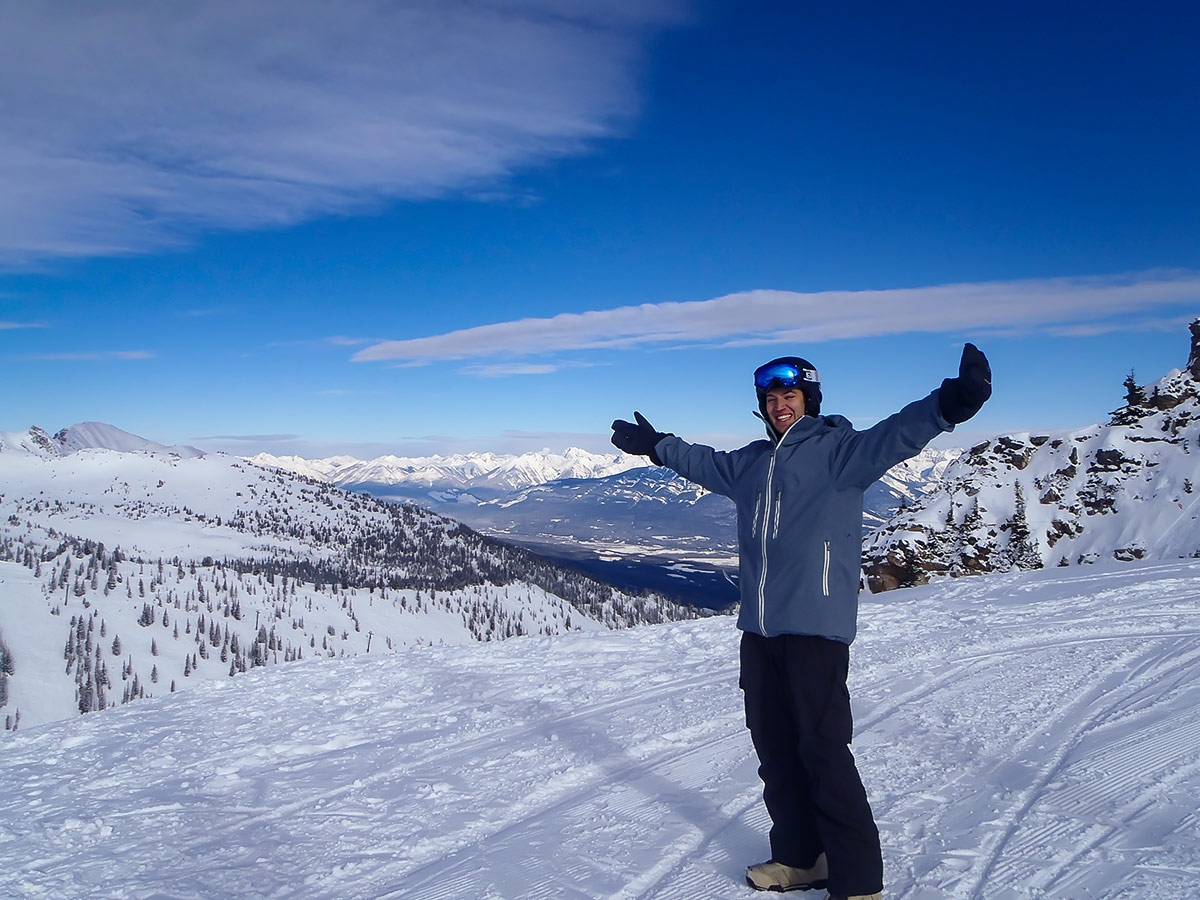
(1014, 452)
(1109, 460)
(1128, 554)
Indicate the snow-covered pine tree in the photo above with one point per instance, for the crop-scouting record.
(1022, 546)
(7, 668)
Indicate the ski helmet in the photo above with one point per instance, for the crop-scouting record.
(789, 371)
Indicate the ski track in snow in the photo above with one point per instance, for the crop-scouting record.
(1031, 735)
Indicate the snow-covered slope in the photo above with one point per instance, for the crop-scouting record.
(139, 572)
(1126, 489)
(1023, 735)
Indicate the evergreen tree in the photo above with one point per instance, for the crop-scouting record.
(1135, 395)
(7, 668)
(1022, 547)
(7, 665)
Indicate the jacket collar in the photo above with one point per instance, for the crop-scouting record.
(798, 429)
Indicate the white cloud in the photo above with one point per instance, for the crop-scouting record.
(503, 370)
(128, 125)
(1169, 325)
(248, 438)
(781, 317)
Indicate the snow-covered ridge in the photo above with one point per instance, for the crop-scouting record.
(87, 435)
(145, 571)
(1126, 489)
(489, 473)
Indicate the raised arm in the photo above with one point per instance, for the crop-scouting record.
(866, 455)
(714, 470)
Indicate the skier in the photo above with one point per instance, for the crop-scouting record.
(799, 499)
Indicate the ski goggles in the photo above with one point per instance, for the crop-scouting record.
(783, 375)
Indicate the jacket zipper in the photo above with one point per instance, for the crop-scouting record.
(762, 579)
(778, 504)
(825, 571)
(757, 514)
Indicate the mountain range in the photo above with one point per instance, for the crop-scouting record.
(471, 477)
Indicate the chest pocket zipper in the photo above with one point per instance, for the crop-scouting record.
(757, 514)
(778, 505)
(825, 572)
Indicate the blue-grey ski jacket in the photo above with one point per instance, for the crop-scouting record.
(799, 501)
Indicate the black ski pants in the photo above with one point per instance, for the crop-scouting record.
(798, 713)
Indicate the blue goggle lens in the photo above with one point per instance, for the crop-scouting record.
(783, 375)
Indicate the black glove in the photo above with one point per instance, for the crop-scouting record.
(962, 397)
(638, 439)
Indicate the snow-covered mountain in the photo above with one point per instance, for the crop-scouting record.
(645, 506)
(1023, 735)
(138, 570)
(904, 484)
(480, 475)
(1126, 489)
(87, 435)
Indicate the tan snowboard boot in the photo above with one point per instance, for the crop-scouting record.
(773, 876)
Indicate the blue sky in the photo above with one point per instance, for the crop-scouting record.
(432, 227)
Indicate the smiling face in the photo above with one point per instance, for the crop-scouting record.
(785, 406)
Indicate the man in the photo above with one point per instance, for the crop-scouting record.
(799, 499)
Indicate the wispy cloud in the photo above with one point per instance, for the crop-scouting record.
(778, 317)
(129, 126)
(7, 326)
(248, 438)
(91, 356)
(1094, 329)
(503, 370)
